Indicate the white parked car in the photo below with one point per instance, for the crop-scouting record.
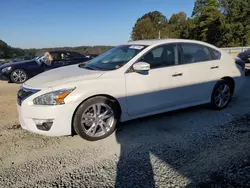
(133, 80)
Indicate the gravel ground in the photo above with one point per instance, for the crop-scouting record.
(195, 147)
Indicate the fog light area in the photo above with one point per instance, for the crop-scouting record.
(43, 124)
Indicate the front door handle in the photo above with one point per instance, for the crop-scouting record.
(175, 75)
(215, 67)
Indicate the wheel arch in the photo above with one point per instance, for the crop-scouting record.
(231, 81)
(111, 98)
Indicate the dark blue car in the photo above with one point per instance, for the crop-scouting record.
(19, 72)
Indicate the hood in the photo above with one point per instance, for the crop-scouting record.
(61, 76)
(15, 64)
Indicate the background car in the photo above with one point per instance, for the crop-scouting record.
(130, 81)
(245, 56)
(91, 55)
(19, 72)
(241, 63)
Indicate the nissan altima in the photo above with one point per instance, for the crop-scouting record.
(132, 80)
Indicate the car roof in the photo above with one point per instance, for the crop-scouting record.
(62, 51)
(150, 42)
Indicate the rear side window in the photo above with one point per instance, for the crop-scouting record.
(193, 53)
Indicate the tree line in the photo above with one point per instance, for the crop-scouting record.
(223, 23)
(7, 51)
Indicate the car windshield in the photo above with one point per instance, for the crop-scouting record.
(114, 58)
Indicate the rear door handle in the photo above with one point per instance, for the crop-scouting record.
(215, 67)
(175, 75)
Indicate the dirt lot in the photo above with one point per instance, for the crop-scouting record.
(195, 146)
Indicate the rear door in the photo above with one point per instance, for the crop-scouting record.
(200, 69)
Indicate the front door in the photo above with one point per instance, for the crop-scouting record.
(159, 88)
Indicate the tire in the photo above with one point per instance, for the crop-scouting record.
(18, 76)
(84, 119)
(247, 72)
(219, 94)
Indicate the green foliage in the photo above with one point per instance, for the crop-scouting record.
(149, 25)
(207, 20)
(9, 52)
(144, 29)
(80, 49)
(224, 23)
(237, 15)
(178, 25)
(5, 50)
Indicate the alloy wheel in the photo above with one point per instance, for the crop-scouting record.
(97, 120)
(19, 76)
(222, 95)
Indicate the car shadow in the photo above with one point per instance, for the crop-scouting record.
(162, 147)
(136, 139)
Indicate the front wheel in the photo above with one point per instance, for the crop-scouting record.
(18, 76)
(95, 118)
(221, 95)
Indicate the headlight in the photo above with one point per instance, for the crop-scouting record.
(53, 98)
(6, 69)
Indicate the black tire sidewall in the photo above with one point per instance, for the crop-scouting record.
(213, 105)
(11, 76)
(80, 110)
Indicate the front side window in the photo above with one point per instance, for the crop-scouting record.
(44, 58)
(56, 56)
(162, 56)
(193, 53)
(59, 56)
(65, 55)
(114, 58)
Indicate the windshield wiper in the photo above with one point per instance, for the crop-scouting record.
(86, 66)
(83, 65)
(89, 68)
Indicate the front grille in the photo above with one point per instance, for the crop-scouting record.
(24, 93)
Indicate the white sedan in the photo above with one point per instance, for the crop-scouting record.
(132, 80)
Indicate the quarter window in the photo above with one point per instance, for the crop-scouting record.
(162, 56)
(215, 54)
(193, 53)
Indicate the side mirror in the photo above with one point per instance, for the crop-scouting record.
(141, 67)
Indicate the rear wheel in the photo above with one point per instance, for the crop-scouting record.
(221, 95)
(96, 118)
(247, 72)
(18, 76)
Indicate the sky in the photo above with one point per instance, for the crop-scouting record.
(58, 23)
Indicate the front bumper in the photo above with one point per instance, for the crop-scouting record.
(3, 77)
(61, 116)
